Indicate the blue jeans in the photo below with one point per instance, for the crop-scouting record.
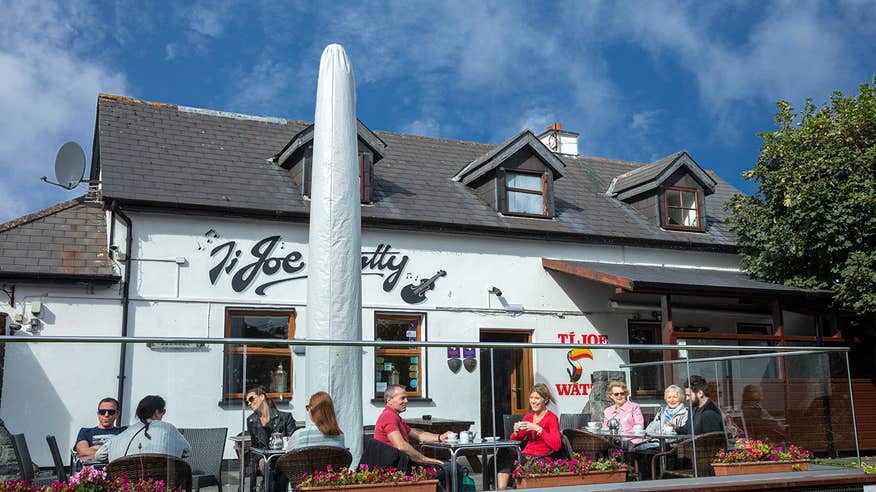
(445, 473)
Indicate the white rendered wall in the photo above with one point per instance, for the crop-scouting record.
(172, 295)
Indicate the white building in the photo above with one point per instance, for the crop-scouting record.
(517, 243)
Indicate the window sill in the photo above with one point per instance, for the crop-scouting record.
(415, 400)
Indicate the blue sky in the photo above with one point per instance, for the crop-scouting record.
(637, 80)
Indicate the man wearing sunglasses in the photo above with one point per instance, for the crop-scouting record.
(90, 439)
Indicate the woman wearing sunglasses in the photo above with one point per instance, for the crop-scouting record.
(151, 435)
(265, 420)
(322, 428)
(625, 413)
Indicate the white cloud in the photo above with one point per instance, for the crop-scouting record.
(643, 120)
(424, 127)
(170, 51)
(208, 17)
(48, 95)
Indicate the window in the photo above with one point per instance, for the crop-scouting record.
(366, 172)
(265, 364)
(645, 382)
(398, 365)
(525, 193)
(681, 209)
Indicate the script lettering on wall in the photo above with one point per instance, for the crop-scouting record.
(267, 260)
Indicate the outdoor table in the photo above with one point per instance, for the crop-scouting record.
(440, 426)
(662, 439)
(270, 455)
(484, 446)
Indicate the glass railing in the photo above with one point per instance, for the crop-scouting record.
(784, 395)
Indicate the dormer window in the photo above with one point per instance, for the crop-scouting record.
(516, 178)
(297, 157)
(526, 194)
(670, 191)
(681, 209)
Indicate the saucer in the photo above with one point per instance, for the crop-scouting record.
(491, 439)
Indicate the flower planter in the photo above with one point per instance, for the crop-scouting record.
(561, 479)
(726, 469)
(423, 486)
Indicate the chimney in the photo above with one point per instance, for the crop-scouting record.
(560, 141)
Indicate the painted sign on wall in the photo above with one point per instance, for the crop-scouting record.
(268, 263)
(576, 359)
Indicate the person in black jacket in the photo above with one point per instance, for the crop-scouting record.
(706, 417)
(265, 420)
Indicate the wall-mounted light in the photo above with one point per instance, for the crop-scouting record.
(495, 290)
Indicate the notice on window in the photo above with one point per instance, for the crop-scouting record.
(413, 384)
(380, 387)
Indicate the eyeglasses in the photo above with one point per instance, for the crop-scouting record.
(162, 411)
(618, 394)
(251, 399)
(307, 407)
(106, 411)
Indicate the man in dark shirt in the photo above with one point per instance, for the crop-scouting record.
(90, 439)
(706, 417)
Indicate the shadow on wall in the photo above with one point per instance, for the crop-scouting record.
(32, 406)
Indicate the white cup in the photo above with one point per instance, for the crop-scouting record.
(668, 430)
(452, 437)
(593, 425)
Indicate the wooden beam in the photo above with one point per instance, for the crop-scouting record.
(588, 273)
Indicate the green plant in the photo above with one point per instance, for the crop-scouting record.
(365, 475)
(869, 468)
(579, 464)
(753, 450)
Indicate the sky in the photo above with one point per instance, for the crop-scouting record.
(637, 80)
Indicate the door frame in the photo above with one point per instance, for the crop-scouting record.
(528, 367)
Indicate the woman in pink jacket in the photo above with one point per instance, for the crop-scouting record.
(627, 413)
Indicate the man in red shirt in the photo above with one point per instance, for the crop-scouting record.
(392, 429)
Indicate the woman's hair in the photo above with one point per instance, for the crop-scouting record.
(261, 391)
(674, 388)
(616, 384)
(147, 408)
(543, 391)
(322, 412)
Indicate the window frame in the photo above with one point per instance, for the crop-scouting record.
(232, 350)
(544, 193)
(666, 208)
(402, 352)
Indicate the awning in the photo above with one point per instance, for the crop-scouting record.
(669, 280)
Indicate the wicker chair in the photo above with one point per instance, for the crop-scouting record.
(707, 445)
(208, 446)
(587, 443)
(175, 472)
(297, 462)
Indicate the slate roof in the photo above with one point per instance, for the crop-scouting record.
(65, 241)
(167, 155)
(636, 277)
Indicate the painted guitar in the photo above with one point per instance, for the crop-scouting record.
(415, 294)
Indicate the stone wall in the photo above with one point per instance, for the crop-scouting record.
(598, 401)
(8, 461)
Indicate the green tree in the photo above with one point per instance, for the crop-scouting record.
(812, 223)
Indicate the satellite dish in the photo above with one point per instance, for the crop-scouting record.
(69, 166)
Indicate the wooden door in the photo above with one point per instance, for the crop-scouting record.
(513, 377)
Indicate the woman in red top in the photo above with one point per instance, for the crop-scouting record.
(540, 428)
